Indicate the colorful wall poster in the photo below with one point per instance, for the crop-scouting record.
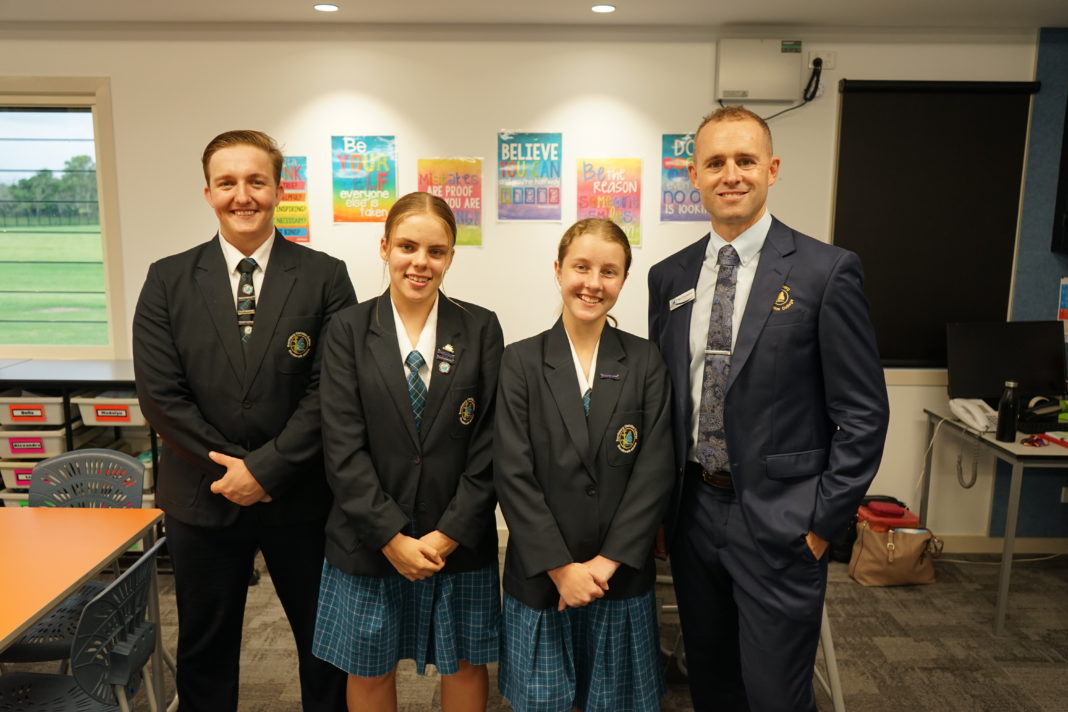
(528, 175)
(611, 188)
(291, 215)
(365, 177)
(457, 181)
(1062, 306)
(679, 200)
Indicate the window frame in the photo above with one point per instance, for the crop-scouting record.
(93, 93)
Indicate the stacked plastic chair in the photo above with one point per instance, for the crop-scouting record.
(112, 643)
(92, 477)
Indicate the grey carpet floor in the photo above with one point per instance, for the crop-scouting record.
(907, 648)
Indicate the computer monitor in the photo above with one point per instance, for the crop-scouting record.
(982, 356)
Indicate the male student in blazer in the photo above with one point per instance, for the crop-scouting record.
(241, 464)
(802, 419)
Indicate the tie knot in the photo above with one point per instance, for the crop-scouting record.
(414, 361)
(728, 256)
(246, 265)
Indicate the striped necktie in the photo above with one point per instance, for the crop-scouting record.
(586, 401)
(246, 298)
(711, 430)
(416, 387)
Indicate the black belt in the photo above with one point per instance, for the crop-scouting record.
(720, 479)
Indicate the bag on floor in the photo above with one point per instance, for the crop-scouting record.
(897, 557)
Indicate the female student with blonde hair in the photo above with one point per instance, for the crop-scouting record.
(583, 467)
(408, 386)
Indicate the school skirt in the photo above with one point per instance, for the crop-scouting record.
(367, 624)
(604, 657)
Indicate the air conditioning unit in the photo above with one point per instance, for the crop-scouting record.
(758, 70)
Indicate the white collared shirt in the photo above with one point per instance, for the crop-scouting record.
(748, 245)
(427, 338)
(585, 380)
(232, 256)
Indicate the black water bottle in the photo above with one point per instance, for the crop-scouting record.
(1008, 412)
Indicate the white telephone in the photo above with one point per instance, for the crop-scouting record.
(974, 413)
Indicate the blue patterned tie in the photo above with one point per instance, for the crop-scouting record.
(416, 387)
(586, 401)
(711, 432)
(246, 298)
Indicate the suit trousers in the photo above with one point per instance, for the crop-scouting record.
(211, 575)
(750, 631)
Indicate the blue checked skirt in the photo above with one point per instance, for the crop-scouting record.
(366, 624)
(604, 657)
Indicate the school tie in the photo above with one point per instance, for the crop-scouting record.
(711, 433)
(586, 401)
(246, 298)
(416, 387)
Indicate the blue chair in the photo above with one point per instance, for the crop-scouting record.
(93, 477)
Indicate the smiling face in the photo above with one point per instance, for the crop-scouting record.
(733, 169)
(591, 275)
(417, 253)
(243, 192)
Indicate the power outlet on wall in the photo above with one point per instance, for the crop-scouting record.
(829, 58)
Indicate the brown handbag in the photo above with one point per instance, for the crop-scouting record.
(897, 557)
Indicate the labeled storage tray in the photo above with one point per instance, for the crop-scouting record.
(20, 408)
(110, 408)
(18, 441)
(17, 473)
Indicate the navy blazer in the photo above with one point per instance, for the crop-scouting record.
(383, 472)
(806, 409)
(202, 390)
(573, 487)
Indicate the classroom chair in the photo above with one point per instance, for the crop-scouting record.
(112, 643)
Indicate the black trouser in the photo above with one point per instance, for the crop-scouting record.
(211, 575)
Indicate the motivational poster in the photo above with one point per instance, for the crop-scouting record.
(365, 177)
(528, 175)
(457, 181)
(291, 215)
(611, 188)
(679, 200)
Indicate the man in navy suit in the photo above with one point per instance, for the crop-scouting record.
(780, 414)
(226, 347)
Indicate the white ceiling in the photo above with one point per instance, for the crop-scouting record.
(932, 14)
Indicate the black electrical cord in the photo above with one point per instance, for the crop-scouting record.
(811, 89)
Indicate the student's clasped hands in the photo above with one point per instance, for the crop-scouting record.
(580, 584)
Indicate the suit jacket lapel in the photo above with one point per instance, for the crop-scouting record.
(214, 283)
(609, 375)
(449, 332)
(772, 271)
(689, 265)
(385, 349)
(560, 375)
(278, 281)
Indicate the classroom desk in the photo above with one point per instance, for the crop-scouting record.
(1018, 456)
(46, 553)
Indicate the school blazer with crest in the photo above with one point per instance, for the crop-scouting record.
(805, 408)
(202, 390)
(573, 487)
(384, 473)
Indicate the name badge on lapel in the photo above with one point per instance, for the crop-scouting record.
(446, 357)
(685, 298)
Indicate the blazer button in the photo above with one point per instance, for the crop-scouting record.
(590, 491)
(246, 404)
(420, 507)
(417, 459)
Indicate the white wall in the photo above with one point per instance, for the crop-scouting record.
(446, 92)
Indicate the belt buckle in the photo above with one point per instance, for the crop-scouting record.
(720, 479)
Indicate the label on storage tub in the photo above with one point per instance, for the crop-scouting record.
(112, 413)
(26, 446)
(23, 412)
